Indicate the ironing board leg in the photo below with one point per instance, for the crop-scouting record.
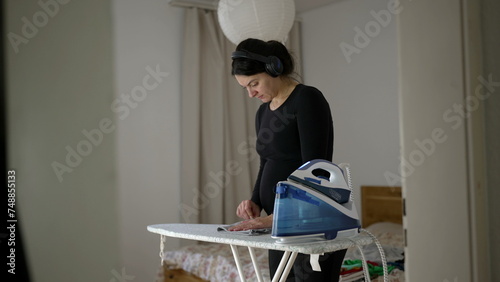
(285, 260)
(238, 263)
(255, 266)
(288, 267)
(281, 266)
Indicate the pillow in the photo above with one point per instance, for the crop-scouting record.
(385, 227)
(388, 233)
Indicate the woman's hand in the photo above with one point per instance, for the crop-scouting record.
(248, 210)
(257, 223)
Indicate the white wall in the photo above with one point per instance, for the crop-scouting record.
(437, 193)
(59, 84)
(67, 76)
(362, 88)
(147, 34)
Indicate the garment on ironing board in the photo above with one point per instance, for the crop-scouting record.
(251, 232)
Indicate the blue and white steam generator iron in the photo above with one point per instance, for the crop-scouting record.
(314, 204)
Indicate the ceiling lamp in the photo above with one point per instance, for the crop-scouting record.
(261, 19)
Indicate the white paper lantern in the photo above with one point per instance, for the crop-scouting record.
(261, 19)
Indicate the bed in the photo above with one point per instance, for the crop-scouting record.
(381, 215)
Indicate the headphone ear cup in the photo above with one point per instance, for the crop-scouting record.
(274, 67)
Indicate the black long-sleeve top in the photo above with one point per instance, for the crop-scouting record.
(300, 130)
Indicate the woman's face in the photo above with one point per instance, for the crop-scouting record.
(261, 86)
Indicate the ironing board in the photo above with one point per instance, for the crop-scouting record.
(209, 233)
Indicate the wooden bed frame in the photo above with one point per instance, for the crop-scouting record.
(381, 203)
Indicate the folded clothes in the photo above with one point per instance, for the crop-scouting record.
(397, 264)
(250, 232)
(372, 253)
(352, 277)
(349, 266)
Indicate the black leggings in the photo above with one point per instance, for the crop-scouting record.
(302, 271)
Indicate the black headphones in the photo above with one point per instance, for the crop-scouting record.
(274, 67)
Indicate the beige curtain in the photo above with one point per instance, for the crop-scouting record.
(218, 159)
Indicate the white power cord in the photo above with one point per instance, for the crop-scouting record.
(347, 169)
(382, 257)
(163, 240)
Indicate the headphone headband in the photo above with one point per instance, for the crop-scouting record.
(273, 64)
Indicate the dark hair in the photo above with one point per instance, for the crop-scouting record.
(244, 66)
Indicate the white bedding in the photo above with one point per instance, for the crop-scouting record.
(215, 262)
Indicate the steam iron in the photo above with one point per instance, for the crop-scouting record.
(314, 204)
